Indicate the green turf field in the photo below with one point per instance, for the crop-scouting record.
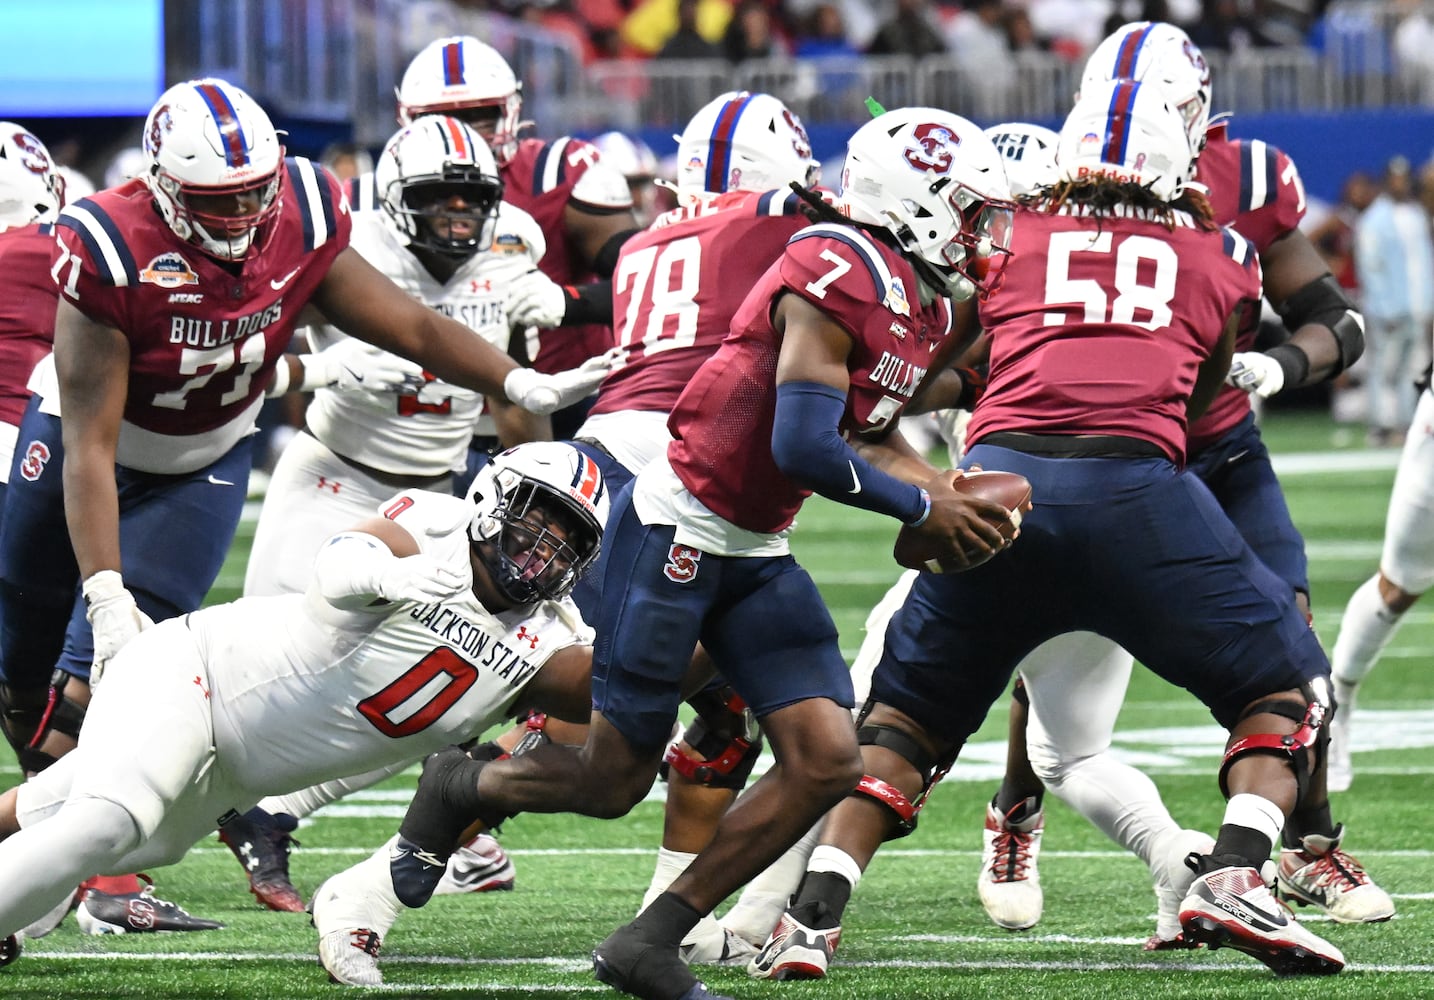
(915, 928)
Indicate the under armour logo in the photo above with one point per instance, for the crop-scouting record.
(531, 638)
(476, 285)
(324, 484)
(200, 684)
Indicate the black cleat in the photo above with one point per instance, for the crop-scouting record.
(261, 842)
(135, 913)
(650, 971)
(9, 950)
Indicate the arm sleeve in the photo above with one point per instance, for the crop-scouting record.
(810, 451)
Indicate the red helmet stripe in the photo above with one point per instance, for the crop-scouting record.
(231, 133)
(453, 64)
(1129, 52)
(457, 139)
(588, 481)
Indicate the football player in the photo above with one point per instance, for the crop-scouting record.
(462, 600)
(179, 291)
(442, 233)
(826, 349)
(581, 204)
(1256, 189)
(676, 288)
(1102, 457)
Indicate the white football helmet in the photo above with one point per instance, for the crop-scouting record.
(462, 77)
(31, 188)
(1029, 153)
(519, 499)
(1127, 131)
(743, 141)
(937, 184)
(422, 168)
(628, 155)
(213, 164)
(1157, 52)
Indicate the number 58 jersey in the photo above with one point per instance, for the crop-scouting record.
(302, 692)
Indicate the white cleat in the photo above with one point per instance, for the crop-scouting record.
(1010, 884)
(350, 956)
(1173, 878)
(1322, 875)
(1234, 907)
(481, 865)
(715, 945)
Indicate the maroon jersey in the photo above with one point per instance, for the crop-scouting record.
(203, 336)
(723, 421)
(540, 179)
(1255, 189)
(1100, 325)
(678, 284)
(27, 312)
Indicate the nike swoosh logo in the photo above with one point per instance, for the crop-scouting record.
(279, 283)
(219, 482)
(855, 481)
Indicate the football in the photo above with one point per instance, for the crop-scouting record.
(917, 551)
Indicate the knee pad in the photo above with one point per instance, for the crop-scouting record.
(33, 715)
(899, 743)
(725, 737)
(1301, 749)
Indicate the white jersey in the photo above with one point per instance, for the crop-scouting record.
(303, 692)
(425, 433)
(268, 695)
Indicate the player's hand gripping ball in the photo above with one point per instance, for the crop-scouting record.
(916, 549)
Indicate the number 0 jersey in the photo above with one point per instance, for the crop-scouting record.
(203, 336)
(425, 433)
(722, 423)
(303, 692)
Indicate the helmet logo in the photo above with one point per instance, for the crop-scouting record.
(160, 123)
(1197, 59)
(802, 144)
(933, 150)
(32, 155)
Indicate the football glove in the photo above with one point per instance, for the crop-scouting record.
(534, 299)
(353, 364)
(1257, 373)
(539, 393)
(113, 616)
(354, 569)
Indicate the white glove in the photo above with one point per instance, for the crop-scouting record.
(354, 569)
(539, 393)
(1257, 373)
(354, 364)
(113, 616)
(534, 299)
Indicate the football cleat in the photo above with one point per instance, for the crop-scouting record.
(1321, 875)
(1009, 884)
(9, 950)
(795, 951)
(628, 963)
(481, 865)
(135, 913)
(1232, 906)
(726, 947)
(262, 843)
(350, 956)
(1172, 883)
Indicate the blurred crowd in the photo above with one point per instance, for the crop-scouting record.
(1377, 241)
(738, 30)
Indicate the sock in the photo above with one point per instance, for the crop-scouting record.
(446, 803)
(1018, 808)
(1365, 630)
(666, 920)
(821, 900)
(670, 864)
(113, 885)
(761, 904)
(1252, 822)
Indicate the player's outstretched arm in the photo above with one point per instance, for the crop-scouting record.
(377, 563)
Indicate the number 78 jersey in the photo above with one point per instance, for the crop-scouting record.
(677, 285)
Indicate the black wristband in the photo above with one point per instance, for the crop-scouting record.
(1294, 362)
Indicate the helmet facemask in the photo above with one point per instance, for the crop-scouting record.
(452, 213)
(224, 222)
(535, 542)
